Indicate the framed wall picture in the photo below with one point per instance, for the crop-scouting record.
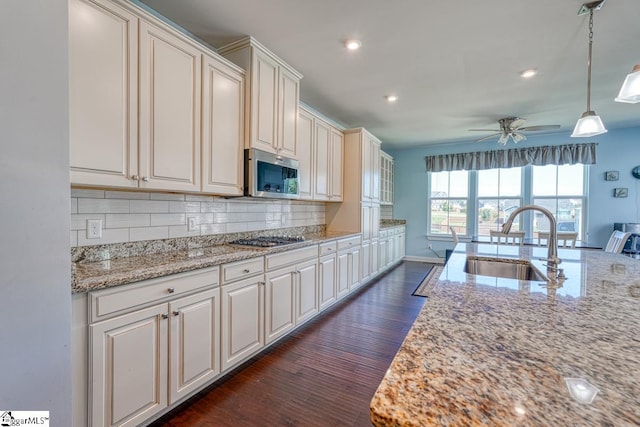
(611, 175)
(620, 192)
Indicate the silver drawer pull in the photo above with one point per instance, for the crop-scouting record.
(176, 313)
(165, 316)
(171, 290)
(135, 177)
(246, 270)
(145, 178)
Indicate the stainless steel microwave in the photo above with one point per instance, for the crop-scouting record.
(270, 175)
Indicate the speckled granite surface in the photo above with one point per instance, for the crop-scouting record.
(120, 270)
(386, 223)
(488, 351)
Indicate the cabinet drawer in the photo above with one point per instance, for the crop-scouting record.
(328, 248)
(242, 269)
(291, 257)
(349, 242)
(108, 302)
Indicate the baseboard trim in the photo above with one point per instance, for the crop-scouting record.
(424, 259)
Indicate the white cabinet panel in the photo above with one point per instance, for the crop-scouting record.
(265, 103)
(103, 118)
(242, 320)
(170, 94)
(307, 291)
(327, 281)
(194, 337)
(222, 128)
(306, 169)
(279, 303)
(336, 165)
(288, 113)
(321, 152)
(129, 365)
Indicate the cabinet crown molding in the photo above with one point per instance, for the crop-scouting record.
(250, 41)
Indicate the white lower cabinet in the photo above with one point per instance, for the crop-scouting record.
(327, 279)
(242, 320)
(291, 290)
(143, 360)
(348, 275)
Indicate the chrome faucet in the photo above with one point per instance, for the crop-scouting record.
(552, 244)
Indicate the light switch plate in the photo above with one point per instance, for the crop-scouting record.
(94, 228)
(192, 223)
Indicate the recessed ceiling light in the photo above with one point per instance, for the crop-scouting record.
(391, 98)
(353, 44)
(527, 74)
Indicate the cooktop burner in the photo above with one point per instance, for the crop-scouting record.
(269, 241)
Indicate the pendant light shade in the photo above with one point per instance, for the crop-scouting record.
(630, 91)
(588, 125)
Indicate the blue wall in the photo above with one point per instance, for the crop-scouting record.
(617, 150)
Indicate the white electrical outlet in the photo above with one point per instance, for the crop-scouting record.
(192, 223)
(94, 228)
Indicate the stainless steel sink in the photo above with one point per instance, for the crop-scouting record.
(518, 269)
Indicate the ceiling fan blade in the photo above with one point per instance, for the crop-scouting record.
(485, 130)
(516, 123)
(493, 135)
(541, 127)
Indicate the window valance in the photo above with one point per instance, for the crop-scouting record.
(539, 156)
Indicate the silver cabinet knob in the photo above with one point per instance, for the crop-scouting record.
(171, 290)
(165, 316)
(145, 178)
(176, 313)
(135, 177)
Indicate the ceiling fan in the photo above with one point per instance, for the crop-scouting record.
(512, 127)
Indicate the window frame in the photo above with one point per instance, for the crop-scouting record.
(526, 198)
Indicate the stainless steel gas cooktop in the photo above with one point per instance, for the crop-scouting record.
(268, 241)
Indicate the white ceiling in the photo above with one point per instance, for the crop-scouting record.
(454, 64)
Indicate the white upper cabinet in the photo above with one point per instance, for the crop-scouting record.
(320, 153)
(222, 128)
(272, 97)
(386, 179)
(103, 87)
(170, 96)
(306, 170)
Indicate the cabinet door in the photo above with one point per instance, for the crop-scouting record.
(375, 221)
(305, 158)
(279, 303)
(222, 128)
(288, 114)
(264, 104)
(367, 212)
(170, 76)
(337, 150)
(242, 324)
(375, 171)
(307, 291)
(327, 280)
(128, 367)
(103, 88)
(194, 338)
(367, 172)
(365, 261)
(343, 277)
(322, 159)
(356, 268)
(382, 253)
(373, 263)
(402, 249)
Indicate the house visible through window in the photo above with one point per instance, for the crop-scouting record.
(474, 202)
(449, 200)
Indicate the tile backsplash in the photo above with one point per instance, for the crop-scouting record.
(386, 212)
(136, 216)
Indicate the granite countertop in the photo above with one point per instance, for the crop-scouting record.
(390, 223)
(93, 275)
(488, 351)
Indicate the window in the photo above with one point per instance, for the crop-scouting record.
(499, 193)
(493, 194)
(449, 199)
(561, 190)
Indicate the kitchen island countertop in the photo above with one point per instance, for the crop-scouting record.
(487, 351)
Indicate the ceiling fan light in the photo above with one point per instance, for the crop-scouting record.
(517, 137)
(588, 125)
(503, 139)
(630, 91)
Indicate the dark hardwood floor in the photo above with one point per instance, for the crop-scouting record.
(323, 374)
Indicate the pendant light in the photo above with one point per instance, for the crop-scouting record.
(590, 123)
(630, 91)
